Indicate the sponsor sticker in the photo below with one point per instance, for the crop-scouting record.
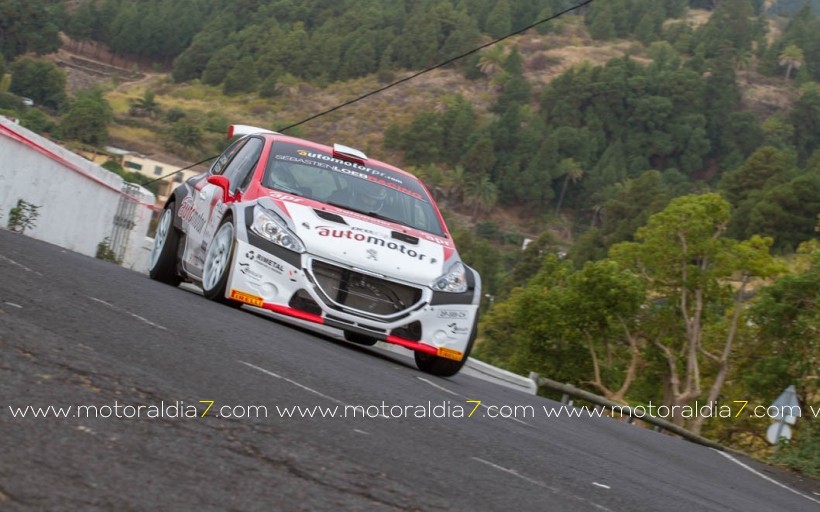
(452, 314)
(264, 261)
(457, 329)
(190, 216)
(449, 353)
(245, 268)
(247, 298)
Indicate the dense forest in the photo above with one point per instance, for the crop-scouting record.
(673, 221)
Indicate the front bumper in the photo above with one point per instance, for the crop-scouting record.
(331, 293)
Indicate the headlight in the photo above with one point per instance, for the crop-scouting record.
(271, 226)
(454, 281)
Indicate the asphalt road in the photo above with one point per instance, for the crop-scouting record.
(78, 331)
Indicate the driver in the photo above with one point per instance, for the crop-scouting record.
(369, 196)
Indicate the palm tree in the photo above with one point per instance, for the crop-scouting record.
(571, 171)
(492, 59)
(792, 58)
(743, 59)
(456, 183)
(145, 106)
(482, 195)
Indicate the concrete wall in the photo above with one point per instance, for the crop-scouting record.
(77, 199)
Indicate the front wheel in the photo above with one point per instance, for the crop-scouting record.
(443, 367)
(163, 263)
(218, 262)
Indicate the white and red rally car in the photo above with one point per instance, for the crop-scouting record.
(325, 235)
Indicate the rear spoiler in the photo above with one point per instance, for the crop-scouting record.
(239, 130)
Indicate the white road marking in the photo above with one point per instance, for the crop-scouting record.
(138, 317)
(764, 477)
(298, 385)
(20, 265)
(465, 398)
(437, 386)
(515, 473)
(361, 432)
(538, 483)
(18, 306)
(602, 486)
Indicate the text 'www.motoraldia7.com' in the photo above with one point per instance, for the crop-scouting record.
(436, 410)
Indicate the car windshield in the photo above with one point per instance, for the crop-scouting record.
(374, 191)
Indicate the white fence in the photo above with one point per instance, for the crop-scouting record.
(78, 200)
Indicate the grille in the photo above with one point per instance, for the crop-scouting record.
(367, 294)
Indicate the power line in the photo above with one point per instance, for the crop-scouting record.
(405, 79)
(180, 170)
(448, 61)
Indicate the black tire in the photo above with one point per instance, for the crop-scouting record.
(163, 262)
(360, 339)
(218, 261)
(443, 367)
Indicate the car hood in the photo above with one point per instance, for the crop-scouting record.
(370, 244)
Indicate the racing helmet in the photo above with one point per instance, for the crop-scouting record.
(369, 196)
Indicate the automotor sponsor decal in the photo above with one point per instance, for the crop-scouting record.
(364, 238)
(188, 214)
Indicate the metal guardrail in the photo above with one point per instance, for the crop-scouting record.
(570, 390)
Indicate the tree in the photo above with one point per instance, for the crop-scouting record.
(145, 106)
(787, 314)
(600, 21)
(81, 25)
(456, 182)
(571, 171)
(87, 118)
(27, 27)
(422, 141)
(603, 302)
(491, 60)
(185, 134)
(220, 65)
(481, 195)
(242, 78)
(765, 168)
(499, 21)
(805, 118)
(698, 280)
(792, 58)
(480, 159)
(40, 80)
(458, 124)
(786, 212)
(630, 206)
(526, 332)
(515, 90)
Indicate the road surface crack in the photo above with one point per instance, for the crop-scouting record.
(298, 472)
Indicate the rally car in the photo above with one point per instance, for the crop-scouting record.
(323, 234)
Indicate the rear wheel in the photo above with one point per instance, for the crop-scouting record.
(162, 265)
(218, 262)
(443, 367)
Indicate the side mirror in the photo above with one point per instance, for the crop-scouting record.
(223, 183)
